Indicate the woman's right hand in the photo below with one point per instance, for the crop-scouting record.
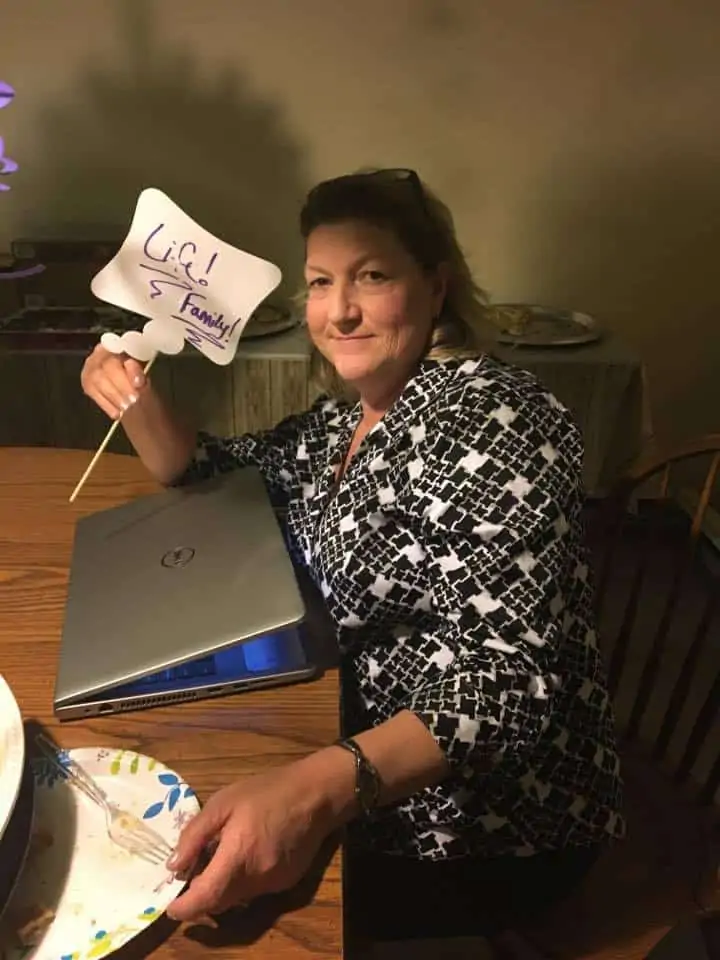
(114, 381)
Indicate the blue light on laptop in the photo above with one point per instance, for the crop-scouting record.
(272, 653)
(262, 654)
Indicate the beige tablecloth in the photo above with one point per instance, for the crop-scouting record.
(604, 385)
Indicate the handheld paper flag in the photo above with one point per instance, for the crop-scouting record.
(190, 284)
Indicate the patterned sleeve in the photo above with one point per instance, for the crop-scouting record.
(273, 452)
(500, 496)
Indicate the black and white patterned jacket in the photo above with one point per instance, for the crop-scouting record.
(451, 559)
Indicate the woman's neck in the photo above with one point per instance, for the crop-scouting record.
(371, 416)
(376, 400)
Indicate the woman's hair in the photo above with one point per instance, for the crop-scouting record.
(398, 201)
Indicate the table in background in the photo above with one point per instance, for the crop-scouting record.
(602, 384)
(210, 742)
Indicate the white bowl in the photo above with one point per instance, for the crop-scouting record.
(12, 753)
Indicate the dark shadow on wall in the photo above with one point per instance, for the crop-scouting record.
(215, 146)
(638, 245)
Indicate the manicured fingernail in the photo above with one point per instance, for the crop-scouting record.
(124, 406)
(139, 380)
(132, 398)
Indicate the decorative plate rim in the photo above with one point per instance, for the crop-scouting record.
(12, 752)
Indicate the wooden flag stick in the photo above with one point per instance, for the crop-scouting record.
(106, 441)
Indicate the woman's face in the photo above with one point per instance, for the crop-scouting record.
(370, 307)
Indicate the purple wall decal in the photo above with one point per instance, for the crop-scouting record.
(7, 95)
(7, 167)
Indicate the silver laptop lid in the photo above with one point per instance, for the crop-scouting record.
(171, 577)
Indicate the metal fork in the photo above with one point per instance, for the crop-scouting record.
(123, 827)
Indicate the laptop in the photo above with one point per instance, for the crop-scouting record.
(181, 595)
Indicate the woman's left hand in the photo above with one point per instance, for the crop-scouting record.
(268, 829)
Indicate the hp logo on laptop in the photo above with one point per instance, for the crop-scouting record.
(179, 557)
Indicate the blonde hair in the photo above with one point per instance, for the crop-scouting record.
(400, 202)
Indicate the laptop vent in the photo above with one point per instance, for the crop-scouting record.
(161, 698)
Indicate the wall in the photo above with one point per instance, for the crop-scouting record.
(577, 141)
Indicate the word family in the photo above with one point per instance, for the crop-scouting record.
(209, 319)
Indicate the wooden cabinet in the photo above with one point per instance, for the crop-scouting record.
(42, 403)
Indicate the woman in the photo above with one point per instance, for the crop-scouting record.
(434, 494)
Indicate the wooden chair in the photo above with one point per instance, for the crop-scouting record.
(658, 591)
(658, 602)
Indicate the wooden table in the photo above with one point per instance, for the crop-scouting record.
(209, 742)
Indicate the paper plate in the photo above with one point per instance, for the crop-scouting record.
(12, 753)
(80, 896)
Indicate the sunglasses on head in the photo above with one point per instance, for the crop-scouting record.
(401, 176)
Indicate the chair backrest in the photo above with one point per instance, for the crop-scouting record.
(658, 593)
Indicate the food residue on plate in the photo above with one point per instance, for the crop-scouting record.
(40, 841)
(25, 926)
